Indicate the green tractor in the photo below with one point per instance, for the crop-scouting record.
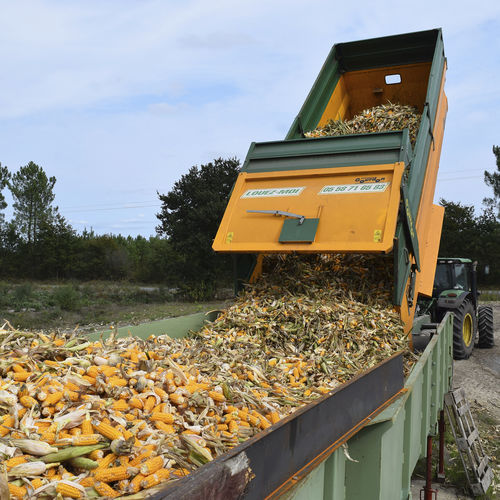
(455, 290)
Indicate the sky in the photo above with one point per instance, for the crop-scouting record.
(118, 99)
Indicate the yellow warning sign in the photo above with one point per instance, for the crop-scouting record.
(377, 235)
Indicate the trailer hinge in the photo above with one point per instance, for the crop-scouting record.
(431, 125)
(410, 225)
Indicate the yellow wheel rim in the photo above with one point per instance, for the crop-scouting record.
(467, 329)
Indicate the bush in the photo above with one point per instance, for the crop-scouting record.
(23, 293)
(67, 298)
(4, 293)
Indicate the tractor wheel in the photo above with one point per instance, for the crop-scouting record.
(485, 319)
(463, 330)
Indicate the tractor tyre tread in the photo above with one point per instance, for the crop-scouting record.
(486, 330)
(460, 349)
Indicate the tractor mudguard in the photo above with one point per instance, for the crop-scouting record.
(446, 302)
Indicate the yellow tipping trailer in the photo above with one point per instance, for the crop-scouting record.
(354, 193)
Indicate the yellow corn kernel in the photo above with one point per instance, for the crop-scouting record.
(107, 430)
(52, 363)
(105, 490)
(152, 465)
(91, 380)
(48, 436)
(68, 490)
(180, 472)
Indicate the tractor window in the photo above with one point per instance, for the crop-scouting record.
(461, 277)
(443, 279)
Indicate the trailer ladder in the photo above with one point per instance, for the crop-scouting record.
(475, 462)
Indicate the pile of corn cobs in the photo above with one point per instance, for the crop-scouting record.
(381, 118)
(120, 416)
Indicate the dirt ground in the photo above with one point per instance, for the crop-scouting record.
(480, 377)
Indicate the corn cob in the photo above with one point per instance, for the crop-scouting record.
(88, 481)
(155, 478)
(4, 428)
(139, 458)
(114, 473)
(107, 461)
(28, 469)
(17, 491)
(151, 465)
(107, 430)
(69, 490)
(36, 483)
(12, 462)
(166, 418)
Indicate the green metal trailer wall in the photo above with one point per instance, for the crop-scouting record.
(387, 450)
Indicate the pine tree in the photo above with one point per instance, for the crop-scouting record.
(493, 180)
(33, 196)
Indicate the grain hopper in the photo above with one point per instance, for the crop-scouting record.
(357, 193)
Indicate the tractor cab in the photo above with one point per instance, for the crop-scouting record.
(454, 277)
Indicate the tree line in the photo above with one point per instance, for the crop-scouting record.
(39, 243)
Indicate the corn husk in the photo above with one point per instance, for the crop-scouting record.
(28, 469)
(33, 446)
